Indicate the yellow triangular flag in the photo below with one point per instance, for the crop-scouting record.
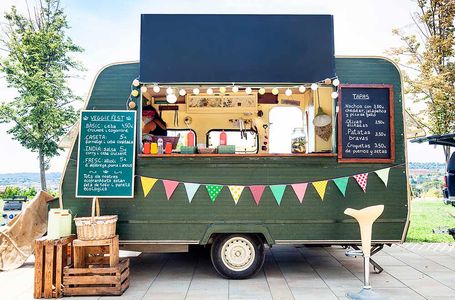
(236, 191)
(147, 184)
(320, 187)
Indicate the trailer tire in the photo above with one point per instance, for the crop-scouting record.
(237, 256)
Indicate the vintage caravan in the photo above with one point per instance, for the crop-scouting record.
(264, 137)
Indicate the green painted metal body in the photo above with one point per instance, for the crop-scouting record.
(155, 218)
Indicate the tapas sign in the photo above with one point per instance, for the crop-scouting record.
(365, 123)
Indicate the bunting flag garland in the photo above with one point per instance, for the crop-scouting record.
(147, 184)
(342, 184)
(257, 191)
(213, 190)
(320, 187)
(384, 175)
(278, 192)
(236, 192)
(362, 181)
(170, 186)
(299, 190)
(191, 189)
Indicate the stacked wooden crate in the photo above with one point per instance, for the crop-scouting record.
(51, 256)
(96, 269)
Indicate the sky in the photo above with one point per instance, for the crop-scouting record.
(109, 32)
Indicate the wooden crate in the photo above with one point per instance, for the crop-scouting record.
(96, 281)
(96, 253)
(51, 256)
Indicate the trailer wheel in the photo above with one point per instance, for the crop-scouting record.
(237, 256)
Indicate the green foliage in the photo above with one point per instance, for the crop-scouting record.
(427, 58)
(37, 64)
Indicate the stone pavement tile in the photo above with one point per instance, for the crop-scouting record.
(398, 293)
(174, 279)
(313, 251)
(443, 260)
(341, 286)
(335, 273)
(323, 261)
(387, 260)
(313, 294)
(252, 288)
(445, 277)
(396, 248)
(429, 287)
(275, 279)
(404, 272)
(206, 283)
(382, 280)
(419, 262)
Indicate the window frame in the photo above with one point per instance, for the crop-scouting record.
(234, 130)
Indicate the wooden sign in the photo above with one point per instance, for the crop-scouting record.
(365, 123)
(105, 164)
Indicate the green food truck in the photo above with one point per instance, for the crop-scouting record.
(240, 131)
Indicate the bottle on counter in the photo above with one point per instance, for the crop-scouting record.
(160, 146)
(223, 138)
(190, 138)
(298, 140)
(168, 148)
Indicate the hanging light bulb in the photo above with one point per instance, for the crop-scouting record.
(143, 89)
(261, 91)
(314, 86)
(275, 91)
(182, 92)
(209, 91)
(134, 93)
(196, 91)
(171, 98)
(302, 89)
(235, 89)
(288, 92)
(136, 82)
(248, 90)
(169, 91)
(156, 89)
(131, 104)
(336, 82)
(222, 90)
(334, 95)
(327, 81)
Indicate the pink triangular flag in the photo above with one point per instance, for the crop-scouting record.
(170, 186)
(362, 180)
(257, 191)
(299, 189)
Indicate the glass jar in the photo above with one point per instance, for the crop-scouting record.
(299, 140)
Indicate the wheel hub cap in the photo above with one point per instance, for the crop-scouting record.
(237, 254)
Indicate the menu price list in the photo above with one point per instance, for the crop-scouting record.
(106, 154)
(365, 123)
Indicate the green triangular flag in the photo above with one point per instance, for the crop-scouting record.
(341, 184)
(278, 191)
(384, 175)
(214, 190)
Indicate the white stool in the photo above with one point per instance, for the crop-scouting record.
(365, 217)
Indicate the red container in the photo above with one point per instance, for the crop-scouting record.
(168, 148)
(223, 138)
(146, 149)
(190, 139)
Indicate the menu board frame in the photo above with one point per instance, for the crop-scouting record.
(342, 159)
(131, 194)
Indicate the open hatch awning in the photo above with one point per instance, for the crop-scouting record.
(236, 48)
(439, 139)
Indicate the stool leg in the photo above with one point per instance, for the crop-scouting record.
(366, 272)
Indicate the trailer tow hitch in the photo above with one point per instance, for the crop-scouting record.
(374, 249)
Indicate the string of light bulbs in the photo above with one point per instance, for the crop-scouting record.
(172, 91)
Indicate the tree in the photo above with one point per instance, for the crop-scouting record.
(37, 63)
(427, 58)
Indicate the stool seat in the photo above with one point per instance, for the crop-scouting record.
(365, 217)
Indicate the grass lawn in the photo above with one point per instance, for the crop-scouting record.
(427, 215)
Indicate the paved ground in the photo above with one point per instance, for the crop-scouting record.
(412, 271)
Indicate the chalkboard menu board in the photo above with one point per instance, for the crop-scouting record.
(365, 123)
(105, 165)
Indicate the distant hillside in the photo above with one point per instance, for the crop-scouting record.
(25, 180)
(433, 166)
